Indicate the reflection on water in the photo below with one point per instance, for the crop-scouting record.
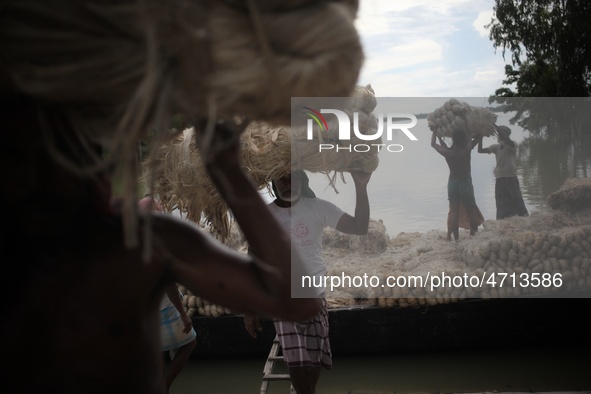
(408, 190)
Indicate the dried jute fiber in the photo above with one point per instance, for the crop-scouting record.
(306, 154)
(456, 115)
(178, 177)
(574, 195)
(120, 71)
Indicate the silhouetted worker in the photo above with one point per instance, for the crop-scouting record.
(460, 190)
(508, 196)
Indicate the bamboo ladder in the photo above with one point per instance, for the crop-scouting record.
(269, 374)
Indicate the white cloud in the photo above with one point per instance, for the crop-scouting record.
(413, 83)
(385, 6)
(483, 19)
(487, 75)
(429, 48)
(402, 56)
(436, 81)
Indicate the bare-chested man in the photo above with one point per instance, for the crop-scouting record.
(80, 310)
(459, 184)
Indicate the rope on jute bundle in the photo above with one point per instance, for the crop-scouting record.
(119, 71)
(178, 177)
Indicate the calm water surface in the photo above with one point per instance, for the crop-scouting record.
(518, 370)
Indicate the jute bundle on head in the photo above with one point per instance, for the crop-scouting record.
(266, 152)
(270, 151)
(364, 98)
(302, 58)
(177, 175)
(353, 154)
(456, 115)
(482, 121)
(119, 70)
(246, 60)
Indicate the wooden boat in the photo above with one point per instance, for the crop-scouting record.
(465, 325)
(548, 242)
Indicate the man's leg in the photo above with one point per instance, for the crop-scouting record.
(449, 226)
(473, 217)
(176, 365)
(304, 379)
(469, 202)
(453, 219)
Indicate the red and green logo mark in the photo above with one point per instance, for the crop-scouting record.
(318, 118)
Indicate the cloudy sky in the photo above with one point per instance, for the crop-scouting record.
(429, 48)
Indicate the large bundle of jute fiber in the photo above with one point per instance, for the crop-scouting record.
(176, 173)
(239, 58)
(270, 151)
(456, 115)
(343, 155)
(574, 195)
(117, 71)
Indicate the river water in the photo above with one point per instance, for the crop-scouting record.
(544, 369)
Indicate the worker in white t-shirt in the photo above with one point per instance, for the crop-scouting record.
(305, 344)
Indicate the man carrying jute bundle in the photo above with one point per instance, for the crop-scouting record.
(97, 300)
(305, 344)
(508, 196)
(460, 190)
